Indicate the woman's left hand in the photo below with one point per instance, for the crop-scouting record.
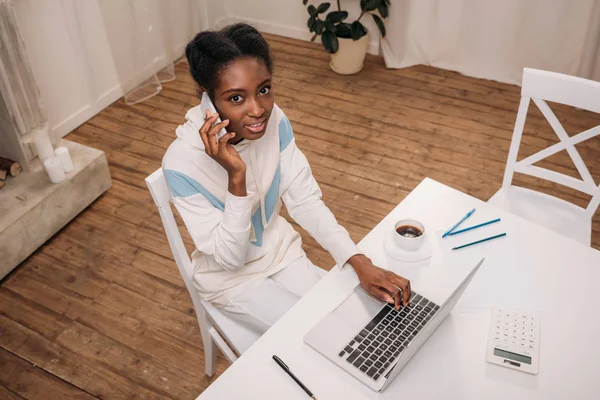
(381, 283)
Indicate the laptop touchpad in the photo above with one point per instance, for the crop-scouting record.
(358, 309)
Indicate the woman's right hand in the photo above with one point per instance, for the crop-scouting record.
(221, 151)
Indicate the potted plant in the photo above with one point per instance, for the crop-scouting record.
(346, 42)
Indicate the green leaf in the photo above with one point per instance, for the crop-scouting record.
(304, 2)
(319, 27)
(372, 4)
(323, 7)
(383, 10)
(312, 11)
(358, 30)
(311, 24)
(330, 42)
(380, 25)
(330, 26)
(344, 30)
(336, 16)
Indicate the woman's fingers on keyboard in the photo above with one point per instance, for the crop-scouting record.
(394, 291)
(380, 293)
(400, 283)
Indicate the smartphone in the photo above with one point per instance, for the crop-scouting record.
(207, 104)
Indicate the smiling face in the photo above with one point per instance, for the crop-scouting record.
(243, 95)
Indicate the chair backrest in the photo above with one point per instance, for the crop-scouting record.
(157, 184)
(159, 190)
(541, 86)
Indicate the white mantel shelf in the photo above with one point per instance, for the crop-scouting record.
(32, 209)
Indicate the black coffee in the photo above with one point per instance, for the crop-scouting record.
(409, 231)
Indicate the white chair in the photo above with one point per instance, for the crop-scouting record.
(236, 338)
(548, 211)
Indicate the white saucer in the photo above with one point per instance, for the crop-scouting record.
(394, 251)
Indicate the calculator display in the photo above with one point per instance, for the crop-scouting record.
(512, 356)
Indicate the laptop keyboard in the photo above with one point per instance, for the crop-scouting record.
(382, 340)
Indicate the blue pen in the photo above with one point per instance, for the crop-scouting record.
(459, 222)
(479, 241)
(474, 227)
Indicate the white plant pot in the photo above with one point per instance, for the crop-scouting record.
(350, 55)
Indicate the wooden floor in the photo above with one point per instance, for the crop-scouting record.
(100, 310)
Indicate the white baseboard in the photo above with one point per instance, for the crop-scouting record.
(86, 112)
(282, 30)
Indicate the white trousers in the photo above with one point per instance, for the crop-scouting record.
(262, 304)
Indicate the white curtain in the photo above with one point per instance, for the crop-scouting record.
(20, 106)
(495, 39)
(145, 39)
(17, 85)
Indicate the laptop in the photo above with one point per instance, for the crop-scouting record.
(373, 341)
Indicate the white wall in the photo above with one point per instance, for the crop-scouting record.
(288, 17)
(75, 74)
(71, 57)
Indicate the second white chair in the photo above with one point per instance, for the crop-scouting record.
(553, 213)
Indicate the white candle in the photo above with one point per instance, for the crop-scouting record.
(42, 143)
(54, 169)
(65, 158)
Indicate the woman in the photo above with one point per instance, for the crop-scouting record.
(249, 260)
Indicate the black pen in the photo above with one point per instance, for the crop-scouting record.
(287, 369)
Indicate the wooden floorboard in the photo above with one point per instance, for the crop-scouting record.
(100, 311)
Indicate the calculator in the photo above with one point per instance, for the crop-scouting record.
(514, 339)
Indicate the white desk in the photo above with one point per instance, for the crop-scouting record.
(530, 268)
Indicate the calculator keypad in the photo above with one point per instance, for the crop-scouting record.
(515, 331)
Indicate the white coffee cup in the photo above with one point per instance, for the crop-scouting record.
(410, 240)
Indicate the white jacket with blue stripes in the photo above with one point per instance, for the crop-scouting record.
(240, 240)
